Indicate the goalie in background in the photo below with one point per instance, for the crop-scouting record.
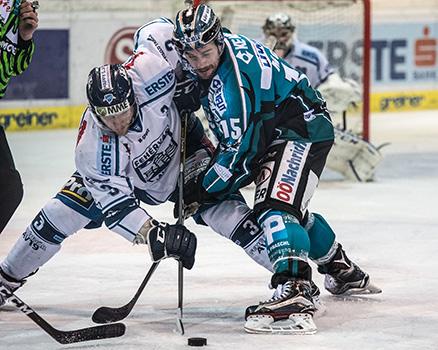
(352, 156)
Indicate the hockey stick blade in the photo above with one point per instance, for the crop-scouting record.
(65, 337)
(107, 314)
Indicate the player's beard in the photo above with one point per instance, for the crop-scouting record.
(206, 73)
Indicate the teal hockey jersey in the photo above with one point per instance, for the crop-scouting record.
(254, 98)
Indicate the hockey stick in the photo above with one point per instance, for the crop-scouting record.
(106, 314)
(184, 117)
(65, 337)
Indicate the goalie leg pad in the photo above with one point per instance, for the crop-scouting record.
(353, 157)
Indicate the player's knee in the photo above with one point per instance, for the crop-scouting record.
(51, 224)
(42, 227)
(281, 226)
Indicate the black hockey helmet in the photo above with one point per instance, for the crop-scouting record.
(195, 27)
(109, 90)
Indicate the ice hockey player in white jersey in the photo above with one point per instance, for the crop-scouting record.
(128, 151)
(353, 157)
(121, 162)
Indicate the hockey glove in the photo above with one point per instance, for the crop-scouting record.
(174, 241)
(186, 95)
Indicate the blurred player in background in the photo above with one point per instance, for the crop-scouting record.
(18, 22)
(353, 157)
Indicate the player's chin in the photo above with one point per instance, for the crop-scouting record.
(121, 131)
(205, 73)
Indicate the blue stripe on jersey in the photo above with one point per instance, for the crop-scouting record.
(120, 212)
(93, 213)
(117, 145)
(115, 202)
(145, 197)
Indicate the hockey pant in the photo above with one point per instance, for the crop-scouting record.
(11, 188)
(286, 182)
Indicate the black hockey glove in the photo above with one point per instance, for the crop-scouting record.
(186, 95)
(174, 241)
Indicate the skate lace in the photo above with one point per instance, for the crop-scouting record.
(281, 292)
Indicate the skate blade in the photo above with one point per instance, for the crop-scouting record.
(320, 307)
(368, 290)
(296, 324)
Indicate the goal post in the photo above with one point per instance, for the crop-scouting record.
(341, 29)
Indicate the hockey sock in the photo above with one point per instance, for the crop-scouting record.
(321, 236)
(286, 240)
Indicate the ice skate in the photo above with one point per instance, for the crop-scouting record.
(11, 284)
(287, 312)
(343, 277)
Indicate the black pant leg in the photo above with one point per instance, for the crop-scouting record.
(11, 187)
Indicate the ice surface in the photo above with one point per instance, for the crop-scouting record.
(389, 227)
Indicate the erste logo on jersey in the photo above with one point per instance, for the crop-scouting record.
(261, 55)
(159, 85)
(105, 155)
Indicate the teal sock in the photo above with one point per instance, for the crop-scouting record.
(321, 236)
(286, 239)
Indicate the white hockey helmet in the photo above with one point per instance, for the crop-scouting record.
(279, 25)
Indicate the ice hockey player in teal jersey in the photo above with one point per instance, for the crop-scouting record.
(274, 129)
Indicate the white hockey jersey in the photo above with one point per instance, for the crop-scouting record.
(145, 159)
(156, 36)
(310, 61)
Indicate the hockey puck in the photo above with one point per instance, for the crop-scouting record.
(197, 341)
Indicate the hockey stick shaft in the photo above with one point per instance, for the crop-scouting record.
(184, 117)
(64, 337)
(107, 314)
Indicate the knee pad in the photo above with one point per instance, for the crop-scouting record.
(285, 239)
(321, 236)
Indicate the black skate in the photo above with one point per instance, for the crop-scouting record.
(344, 277)
(288, 312)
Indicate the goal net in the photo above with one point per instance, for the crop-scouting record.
(339, 28)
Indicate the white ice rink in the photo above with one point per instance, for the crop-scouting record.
(389, 227)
